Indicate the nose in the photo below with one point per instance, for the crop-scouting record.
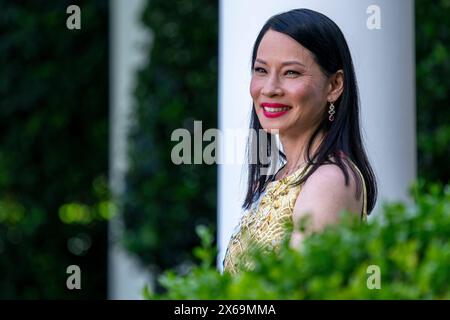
(271, 87)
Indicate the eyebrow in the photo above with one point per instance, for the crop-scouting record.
(284, 63)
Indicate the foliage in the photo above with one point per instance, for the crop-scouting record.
(53, 149)
(178, 85)
(433, 83)
(410, 245)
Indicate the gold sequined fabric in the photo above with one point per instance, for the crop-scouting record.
(266, 224)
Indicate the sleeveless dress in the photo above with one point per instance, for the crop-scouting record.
(266, 223)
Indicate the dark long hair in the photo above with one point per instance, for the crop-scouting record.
(324, 39)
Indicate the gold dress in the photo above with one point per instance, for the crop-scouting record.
(265, 224)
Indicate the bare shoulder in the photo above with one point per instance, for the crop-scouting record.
(324, 195)
(328, 173)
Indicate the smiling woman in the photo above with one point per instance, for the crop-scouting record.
(304, 89)
(289, 80)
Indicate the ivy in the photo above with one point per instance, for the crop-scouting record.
(163, 202)
(53, 149)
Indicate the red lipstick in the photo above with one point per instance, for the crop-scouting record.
(274, 110)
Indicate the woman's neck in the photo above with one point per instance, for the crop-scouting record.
(295, 150)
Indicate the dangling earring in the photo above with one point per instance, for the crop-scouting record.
(331, 112)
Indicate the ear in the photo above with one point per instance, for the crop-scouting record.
(336, 86)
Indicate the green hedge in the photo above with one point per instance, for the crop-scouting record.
(163, 202)
(53, 149)
(433, 83)
(410, 246)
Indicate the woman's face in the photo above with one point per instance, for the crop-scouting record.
(288, 88)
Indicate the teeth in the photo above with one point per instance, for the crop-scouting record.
(276, 109)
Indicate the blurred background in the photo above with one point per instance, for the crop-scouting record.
(75, 150)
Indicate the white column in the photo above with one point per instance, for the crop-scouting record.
(128, 39)
(385, 68)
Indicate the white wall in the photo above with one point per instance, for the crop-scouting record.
(128, 42)
(384, 63)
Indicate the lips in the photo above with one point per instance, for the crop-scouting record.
(274, 110)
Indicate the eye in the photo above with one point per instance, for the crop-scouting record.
(292, 73)
(259, 70)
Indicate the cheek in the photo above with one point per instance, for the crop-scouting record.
(255, 88)
(301, 93)
(306, 92)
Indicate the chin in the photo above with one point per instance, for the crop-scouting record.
(271, 128)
